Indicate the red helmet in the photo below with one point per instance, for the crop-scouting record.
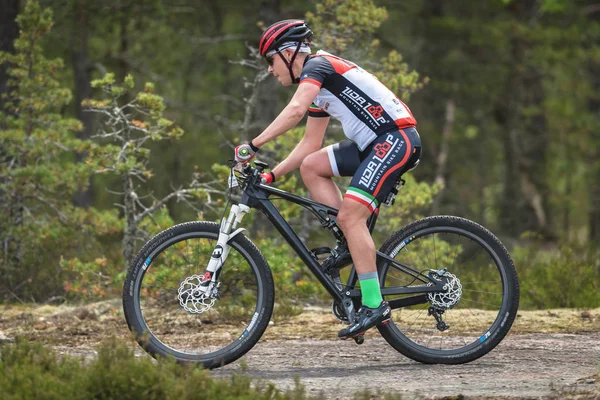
(289, 30)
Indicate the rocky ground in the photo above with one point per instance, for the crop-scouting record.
(551, 353)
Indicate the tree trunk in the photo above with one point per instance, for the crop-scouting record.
(269, 12)
(510, 220)
(131, 227)
(594, 219)
(83, 90)
(442, 156)
(9, 31)
(123, 67)
(482, 162)
(525, 137)
(593, 13)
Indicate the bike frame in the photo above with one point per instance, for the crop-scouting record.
(256, 196)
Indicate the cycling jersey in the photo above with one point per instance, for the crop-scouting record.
(365, 106)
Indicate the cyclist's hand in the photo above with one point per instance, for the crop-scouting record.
(267, 178)
(245, 152)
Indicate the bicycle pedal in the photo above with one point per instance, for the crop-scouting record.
(359, 339)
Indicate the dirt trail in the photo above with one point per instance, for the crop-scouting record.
(553, 353)
(530, 365)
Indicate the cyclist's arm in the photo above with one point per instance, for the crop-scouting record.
(311, 142)
(291, 114)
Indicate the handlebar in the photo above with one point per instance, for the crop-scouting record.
(248, 172)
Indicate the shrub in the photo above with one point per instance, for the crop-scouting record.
(31, 371)
(568, 276)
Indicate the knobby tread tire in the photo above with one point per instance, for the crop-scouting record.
(134, 278)
(407, 347)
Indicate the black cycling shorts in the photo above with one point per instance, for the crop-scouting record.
(375, 170)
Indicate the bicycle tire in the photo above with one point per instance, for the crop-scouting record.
(410, 339)
(167, 254)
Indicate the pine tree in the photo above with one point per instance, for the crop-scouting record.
(38, 223)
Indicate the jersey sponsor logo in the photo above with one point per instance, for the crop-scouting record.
(374, 111)
(376, 165)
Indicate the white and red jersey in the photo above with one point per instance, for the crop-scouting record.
(365, 106)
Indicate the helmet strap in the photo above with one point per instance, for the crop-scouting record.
(291, 63)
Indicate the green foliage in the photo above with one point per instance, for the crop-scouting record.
(340, 25)
(411, 198)
(568, 276)
(31, 371)
(395, 75)
(347, 28)
(127, 126)
(95, 273)
(38, 222)
(523, 77)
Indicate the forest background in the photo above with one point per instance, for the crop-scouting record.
(506, 94)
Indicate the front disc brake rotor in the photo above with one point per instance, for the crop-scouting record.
(194, 297)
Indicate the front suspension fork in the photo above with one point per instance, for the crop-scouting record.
(227, 231)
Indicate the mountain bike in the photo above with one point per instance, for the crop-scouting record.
(202, 292)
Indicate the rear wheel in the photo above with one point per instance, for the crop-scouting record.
(168, 314)
(481, 297)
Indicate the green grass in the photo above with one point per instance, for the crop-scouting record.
(32, 371)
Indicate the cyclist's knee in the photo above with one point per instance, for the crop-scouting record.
(305, 168)
(345, 220)
(351, 214)
(312, 166)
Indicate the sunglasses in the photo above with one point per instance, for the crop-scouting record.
(271, 59)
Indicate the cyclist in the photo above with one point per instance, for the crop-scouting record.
(383, 144)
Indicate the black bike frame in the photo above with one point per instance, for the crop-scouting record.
(257, 196)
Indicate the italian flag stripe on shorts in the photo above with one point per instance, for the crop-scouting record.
(362, 197)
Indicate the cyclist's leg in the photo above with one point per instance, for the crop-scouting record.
(352, 219)
(318, 168)
(389, 157)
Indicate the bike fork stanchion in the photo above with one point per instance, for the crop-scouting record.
(221, 250)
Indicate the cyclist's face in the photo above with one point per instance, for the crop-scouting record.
(279, 69)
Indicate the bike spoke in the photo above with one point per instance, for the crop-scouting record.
(181, 330)
(481, 291)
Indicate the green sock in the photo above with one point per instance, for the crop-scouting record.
(369, 287)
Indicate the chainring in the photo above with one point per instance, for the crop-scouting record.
(338, 312)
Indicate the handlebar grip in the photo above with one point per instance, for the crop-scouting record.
(247, 168)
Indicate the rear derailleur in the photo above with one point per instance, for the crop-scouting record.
(437, 313)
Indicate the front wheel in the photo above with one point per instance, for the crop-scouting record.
(480, 298)
(170, 316)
